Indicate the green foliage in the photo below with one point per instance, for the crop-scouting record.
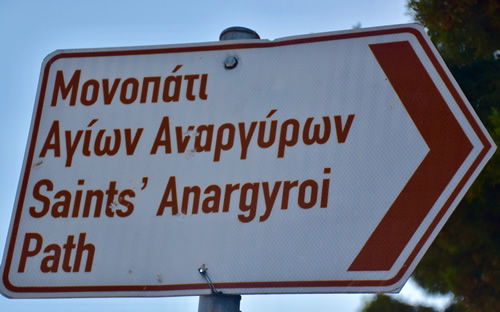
(463, 30)
(480, 81)
(457, 307)
(384, 303)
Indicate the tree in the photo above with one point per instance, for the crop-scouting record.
(384, 303)
(463, 30)
(465, 257)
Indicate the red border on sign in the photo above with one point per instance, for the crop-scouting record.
(239, 285)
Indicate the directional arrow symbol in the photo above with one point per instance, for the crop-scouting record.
(448, 149)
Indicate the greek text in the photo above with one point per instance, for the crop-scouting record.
(93, 142)
(173, 88)
(217, 139)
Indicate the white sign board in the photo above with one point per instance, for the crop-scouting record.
(321, 163)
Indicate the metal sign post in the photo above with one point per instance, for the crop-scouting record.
(219, 302)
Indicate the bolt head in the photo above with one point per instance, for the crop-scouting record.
(230, 62)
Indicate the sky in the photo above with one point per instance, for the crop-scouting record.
(30, 30)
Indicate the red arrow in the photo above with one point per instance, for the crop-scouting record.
(448, 144)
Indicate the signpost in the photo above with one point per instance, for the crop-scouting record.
(311, 164)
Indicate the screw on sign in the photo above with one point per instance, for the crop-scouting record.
(313, 164)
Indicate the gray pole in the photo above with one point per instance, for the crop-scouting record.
(236, 33)
(218, 302)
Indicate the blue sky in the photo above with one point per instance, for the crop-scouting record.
(30, 30)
